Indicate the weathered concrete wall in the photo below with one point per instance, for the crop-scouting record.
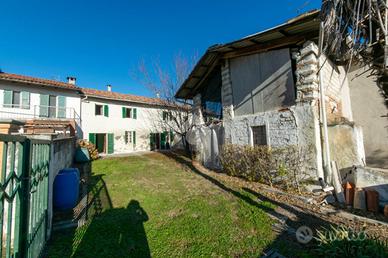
(262, 82)
(370, 112)
(346, 145)
(293, 126)
(369, 178)
(226, 92)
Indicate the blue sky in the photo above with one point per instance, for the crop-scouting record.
(101, 42)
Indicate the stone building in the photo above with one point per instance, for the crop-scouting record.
(264, 89)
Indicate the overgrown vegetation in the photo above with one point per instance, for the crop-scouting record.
(284, 167)
(342, 242)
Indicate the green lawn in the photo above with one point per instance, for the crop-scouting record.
(151, 205)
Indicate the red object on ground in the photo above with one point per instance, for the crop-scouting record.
(372, 200)
(349, 193)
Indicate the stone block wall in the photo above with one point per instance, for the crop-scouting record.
(333, 78)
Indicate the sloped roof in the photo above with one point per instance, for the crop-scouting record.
(304, 26)
(84, 91)
(124, 97)
(37, 81)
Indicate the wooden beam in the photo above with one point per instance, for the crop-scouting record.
(285, 33)
(265, 46)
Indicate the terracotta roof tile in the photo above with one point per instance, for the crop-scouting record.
(38, 81)
(123, 97)
(86, 91)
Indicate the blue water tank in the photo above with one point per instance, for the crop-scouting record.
(66, 189)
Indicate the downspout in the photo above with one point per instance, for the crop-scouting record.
(332, 177)
(323, 115)
(386, 36)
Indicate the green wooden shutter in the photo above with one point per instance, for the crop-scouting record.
(164, 114)
(92, 138)
(134, 138)
(25, 99)
(134, 113)
(61, 107)
(124, 111)
(110, 143)
(44, 103)
(171, 137)
(163, 140)
(106, 110)
(7, 102)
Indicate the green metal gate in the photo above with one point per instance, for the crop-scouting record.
(23, 195)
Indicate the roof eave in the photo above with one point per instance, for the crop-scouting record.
(221, 49)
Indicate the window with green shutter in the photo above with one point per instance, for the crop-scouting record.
(25, 100)
(61, 107)
(16, 99)
(92, 138)
(7, 99)
(126, 112)
(106, 110)
(44, 105)
(134, 138)
(134, 113)
(110, 143)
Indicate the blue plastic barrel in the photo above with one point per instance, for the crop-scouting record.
(66, 189)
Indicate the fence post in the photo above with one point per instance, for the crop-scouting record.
(25, 189)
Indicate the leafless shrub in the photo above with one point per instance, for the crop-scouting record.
(285, 167)
(251, 163)
(292, 165)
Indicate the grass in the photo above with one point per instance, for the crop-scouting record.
(151, 206)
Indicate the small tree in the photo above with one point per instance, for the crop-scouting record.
(175, 115)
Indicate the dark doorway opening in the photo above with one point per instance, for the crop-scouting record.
(100, 142)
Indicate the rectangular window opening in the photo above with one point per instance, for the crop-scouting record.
(259, 135)
(128, 113)
(99, 110)
(16, 99)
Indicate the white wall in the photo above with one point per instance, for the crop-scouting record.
(337, 89)
(72, 99)
(149, 120)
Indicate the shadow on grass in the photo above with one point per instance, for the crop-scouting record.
(109, 232)
(285, 241)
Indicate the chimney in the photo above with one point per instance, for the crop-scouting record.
(71, 80)
(109, 87)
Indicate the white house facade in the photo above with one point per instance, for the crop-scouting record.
(124, 123)
(29, 99)
(114, 122)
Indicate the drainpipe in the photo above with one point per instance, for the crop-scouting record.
(332, 177)
(386, 37)
(322, 102)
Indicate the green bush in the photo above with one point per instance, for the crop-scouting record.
(342, 242)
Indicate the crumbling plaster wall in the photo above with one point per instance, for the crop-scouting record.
(289, 127)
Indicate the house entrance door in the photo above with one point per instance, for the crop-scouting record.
(100, 142)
